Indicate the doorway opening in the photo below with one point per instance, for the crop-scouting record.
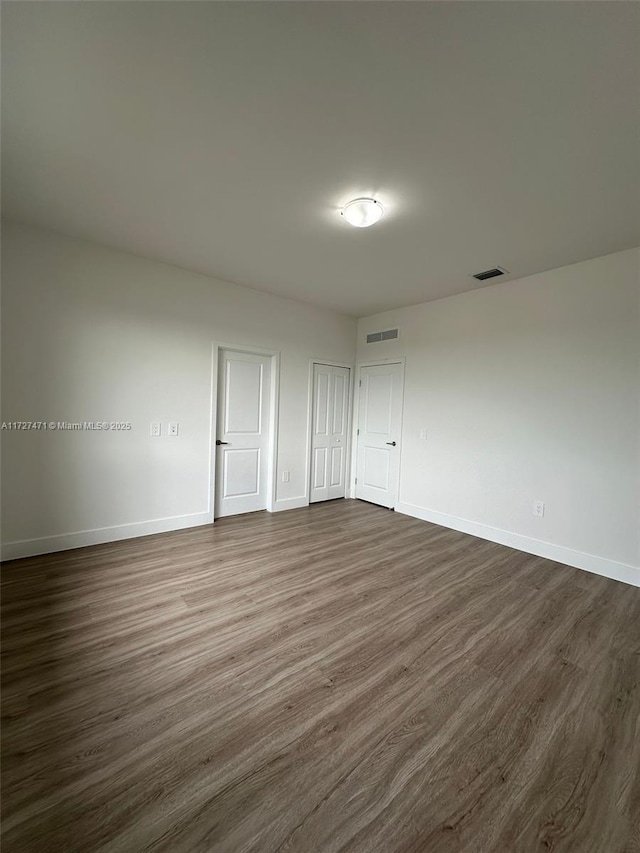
(329, 442)
(378, 433)
(245, 430)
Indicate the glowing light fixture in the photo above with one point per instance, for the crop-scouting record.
(363, 212)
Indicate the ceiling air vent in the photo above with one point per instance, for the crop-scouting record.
(496, 271)
(389, 335)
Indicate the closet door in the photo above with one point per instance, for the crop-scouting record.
(329, 432)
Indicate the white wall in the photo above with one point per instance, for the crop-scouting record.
(93, 334)
(529, 390)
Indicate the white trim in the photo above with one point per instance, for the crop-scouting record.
(375, 361)
(101, 535)
(402, 360)
(350, 398)
(274, 355)
(283, 504)
(273, 429)
(579, 560)
(213, 419)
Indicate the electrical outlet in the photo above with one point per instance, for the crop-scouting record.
(285, 476)
(155, 428)
(538, 508)
(423, 433)
(172, 428)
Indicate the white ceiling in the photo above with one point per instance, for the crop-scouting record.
(224, 137)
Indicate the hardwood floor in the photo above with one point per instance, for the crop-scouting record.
(333, 678)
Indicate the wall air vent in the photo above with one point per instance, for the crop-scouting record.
(496, 271)
(389, 335)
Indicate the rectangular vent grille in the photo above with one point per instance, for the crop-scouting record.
(389, 335)
(483, 276)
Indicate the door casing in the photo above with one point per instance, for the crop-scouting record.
(312, 361)
(274, 390)
(356, 418)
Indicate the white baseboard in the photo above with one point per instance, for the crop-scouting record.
(67, 541)
(597, 565)
(290, 503)
(579, 560)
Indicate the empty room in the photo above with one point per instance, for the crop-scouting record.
(320, 426)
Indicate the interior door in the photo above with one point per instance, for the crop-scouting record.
(242, 444)
(329, 432)
(379, 423)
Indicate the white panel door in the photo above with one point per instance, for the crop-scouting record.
(329, 432)
(379, 422)
(242, 443)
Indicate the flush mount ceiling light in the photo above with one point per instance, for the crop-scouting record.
(363, 212)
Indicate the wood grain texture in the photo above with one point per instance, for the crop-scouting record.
(333, 678)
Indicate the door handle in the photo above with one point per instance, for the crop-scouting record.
(392, 443)
(221, 442)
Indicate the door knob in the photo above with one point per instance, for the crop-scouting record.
(221, 442)
(392, 443)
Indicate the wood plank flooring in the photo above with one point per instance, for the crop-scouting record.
(337, 678)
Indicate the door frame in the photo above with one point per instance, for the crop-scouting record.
(402, 361)
(274, 395)
(349, 430)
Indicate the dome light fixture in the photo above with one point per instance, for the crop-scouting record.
(363, 212)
